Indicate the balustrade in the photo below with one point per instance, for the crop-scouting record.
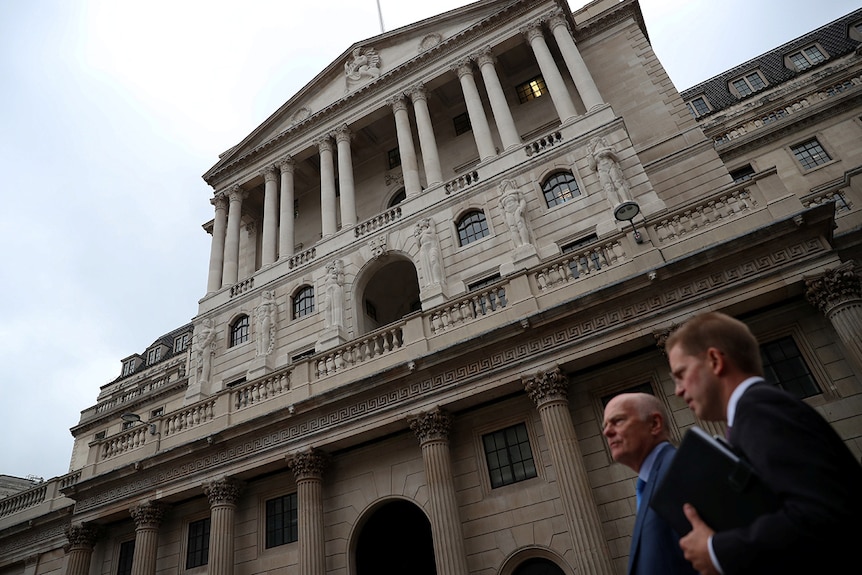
(128, 440)
(842, 204)
(470, 308)
(367, 347)
(580, 263)
(461, 182)
(261, 390)
(242, 287)
(703, 216)
(302, 258)
(23, 500)
(545, 142)
(188, 417)
(391, 215)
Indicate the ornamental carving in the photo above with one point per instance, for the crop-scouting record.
(362, 66)
(219, 201)
(547, 386)
(430, 41)
(378, 246)
(269, 174)
(266, 315)
(147, 514)
(223, 491)
(661, 338)
(82, 534)
(300, 115)
(833, 288)
(307, 464)
(432, 426)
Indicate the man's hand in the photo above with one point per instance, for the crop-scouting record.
(695, 545)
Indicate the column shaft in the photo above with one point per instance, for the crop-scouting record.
(476, 112)
(345, 177)
(231, 248)
(148, 517)
(553, 79)
(217, 247)
(837, 293)
(286, 241)
(577, 67)
(499, 106)
(223, 495)
(327, 188)
(81, 538)
(307, 467)
(270, 215)
(427, 141)
(406, 149)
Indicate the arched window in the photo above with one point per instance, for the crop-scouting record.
(399, 197)
(303, 302)
(472, 227)
(560, 187)
(239, 331)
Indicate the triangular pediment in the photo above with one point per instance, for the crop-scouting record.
(362, 66)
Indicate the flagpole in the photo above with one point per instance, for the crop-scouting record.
(380, 15)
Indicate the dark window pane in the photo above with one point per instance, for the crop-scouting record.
(509, 456)
(472, 227)
(559, 188)
(198, 549)
(784, 366)
(281, 520)
(239, 331)
(124, 562)
(303, 302)
(810, 154)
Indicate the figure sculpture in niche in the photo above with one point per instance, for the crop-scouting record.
(429, 251)
(514, 206)
(334, 295)
(603, 159)
(267, 315)
(204, 348)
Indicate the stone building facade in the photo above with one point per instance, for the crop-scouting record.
(432, 266)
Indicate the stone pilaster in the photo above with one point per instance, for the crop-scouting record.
(549, 391)
(216, 268)
(550, 72)
(148, 518)
(406, 149)
(432, 429)
(475, 110)
(82, 538)
(307, 467)
(270, 214)
(837, 293)
(223, 495)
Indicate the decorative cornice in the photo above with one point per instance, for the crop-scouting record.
(433, 425)
(308, 464)
(223, 491)
(833, 288)
(547, 386)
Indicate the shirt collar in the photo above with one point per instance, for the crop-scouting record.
(737, 393)
(646, 466)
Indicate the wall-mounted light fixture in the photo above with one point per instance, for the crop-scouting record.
(133, 418)
(626, 212)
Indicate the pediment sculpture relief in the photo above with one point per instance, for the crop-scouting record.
(362, 66)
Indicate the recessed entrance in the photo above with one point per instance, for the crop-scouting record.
(396, 540)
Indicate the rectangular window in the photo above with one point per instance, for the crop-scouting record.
(124, 561)
(393, 156)
(157, 412)
(784, 366)
(807, 57)
(181, 343)
(810, 154)
(509, 456)
(698, 106)
(462, 124)
(742, 87)
(198, 549)
(128, 367)
(755, 81)
(281, 520)
(742, 174)
(154, 355)
(531, 89)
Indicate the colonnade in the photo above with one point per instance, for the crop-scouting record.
(334, 151)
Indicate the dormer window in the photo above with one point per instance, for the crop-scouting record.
(807, 57)
(154, 355)
(747, 85)
(129, 366)
(181, 343)
(698, 106)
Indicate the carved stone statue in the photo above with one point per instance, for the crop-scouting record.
(204, 349)
(603, 159)
(362, 65)
(429, 251)
(514, 206)
(334, 295)
(267, 317)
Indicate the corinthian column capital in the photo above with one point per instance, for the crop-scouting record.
(219, 201)
(398, 104)
(833, 287)
(223, 491)
(432, 426)
(324, 144)
(269, 174)
(286, 164)
(532, 31)
(417, 92)
(485, 56)
(82, 534)
(147, 514)
(547, 386)
(307, 464)
(557, 19)
(463, 68)
(342, 134)
(237, 194)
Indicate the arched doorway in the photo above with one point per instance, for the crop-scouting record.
(396, 540)
(389, 291)
(538, 566)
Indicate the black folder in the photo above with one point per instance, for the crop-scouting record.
(720, 484)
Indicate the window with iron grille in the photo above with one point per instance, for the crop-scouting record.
(509, 456)
(531, 89)
(239, 331)
(198, 548)
(784, 366)
(281, 520)
(560, 187)
(472, 227)
(810, 154)
(303, 302)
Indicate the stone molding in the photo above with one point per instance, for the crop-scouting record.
(834, 287)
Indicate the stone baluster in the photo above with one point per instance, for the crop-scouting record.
(551, 74)
(216, 268)
(499, 106)
(148, 518)
(549, 391)
(307, 467)
(82, 538)
(223, 495)
(837, 293)
(475, 110)
(432, 429)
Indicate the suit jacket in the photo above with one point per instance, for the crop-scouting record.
(655, 545)
(818, 526)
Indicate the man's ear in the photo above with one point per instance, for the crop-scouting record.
(656, 423)
(716, 359)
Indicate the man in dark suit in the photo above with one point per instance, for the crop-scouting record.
(716, 367)
(635, 426)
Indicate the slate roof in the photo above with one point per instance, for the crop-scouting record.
(833, 37)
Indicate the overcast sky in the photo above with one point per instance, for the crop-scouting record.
(110, 111)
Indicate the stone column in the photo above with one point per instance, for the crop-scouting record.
(409, 165)
(82, 538)
(223, 495)
(475, 110)
(837, 293)
(307, 467)
(231, 247)
(327, 187)
(217, 247)
(559, 26)
(553, 79)
(286, 245)
(549, 391)
(270, 215)
(432, 429)
(499, 106)
(148, 517)
(427, 141)
(345, 177)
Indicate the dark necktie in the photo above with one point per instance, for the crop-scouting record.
(639, 489)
